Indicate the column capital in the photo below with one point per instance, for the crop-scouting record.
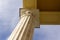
(34, 13)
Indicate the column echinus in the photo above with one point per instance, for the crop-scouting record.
(29, 19)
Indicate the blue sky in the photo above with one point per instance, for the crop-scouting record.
(9, 17)
(47, 32)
